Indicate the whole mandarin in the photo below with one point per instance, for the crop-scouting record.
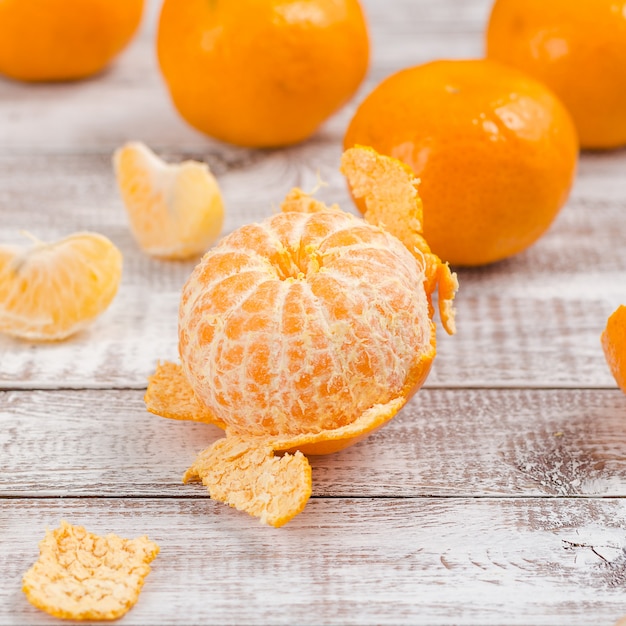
(56, 40)
(576, 48)
(494, 149)
(261, 73)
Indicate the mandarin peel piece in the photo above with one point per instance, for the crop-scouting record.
(83, 576)
(170, 395)
(613, 339)
(388, 190)
(246, 474)
(175, 209)
(303, 202)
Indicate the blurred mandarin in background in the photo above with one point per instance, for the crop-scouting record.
(57, 40)
(578, 49)
(261, 73)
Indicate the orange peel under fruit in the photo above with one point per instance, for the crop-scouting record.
(613, 340)
(175, 209)
(300, 335)
(82, 576)
(49, 291)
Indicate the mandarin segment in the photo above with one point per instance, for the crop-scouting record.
(49, 291)
(83, 576)
(613, 340)
(248, 476)
(175, 210)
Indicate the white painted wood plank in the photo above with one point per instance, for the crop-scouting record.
(444, 443)
(130, 100)
(502, 341)
(532, 320)
(388, 561)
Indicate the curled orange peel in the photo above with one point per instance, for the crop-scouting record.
(265, 473)
(170, 395)
(244, 471)
(388, 189)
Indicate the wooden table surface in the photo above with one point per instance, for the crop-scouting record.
(495, 497)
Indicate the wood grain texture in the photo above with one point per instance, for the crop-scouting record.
(387, 561)
(470, 443)
(497, 497)
(533, 320)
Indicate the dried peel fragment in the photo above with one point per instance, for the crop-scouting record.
(83, 576)
(246, 475)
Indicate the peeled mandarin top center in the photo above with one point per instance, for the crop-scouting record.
(303, 322)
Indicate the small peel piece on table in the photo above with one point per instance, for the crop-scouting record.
(613, 340)
(83, 576)
(388, 188)
(246, 475)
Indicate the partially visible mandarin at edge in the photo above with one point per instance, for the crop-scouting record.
(59, 40)
(613, 340)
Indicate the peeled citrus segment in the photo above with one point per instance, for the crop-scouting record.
(175, 210)
(170, 395)
(48, 291)
(614, 345)
(388, 188)
(83, 576)
(245, 474)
